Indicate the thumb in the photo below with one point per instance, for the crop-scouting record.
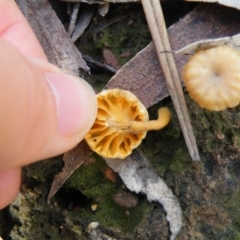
(42, 114)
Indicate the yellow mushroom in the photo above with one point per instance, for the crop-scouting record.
(121, 124)
(212, 77)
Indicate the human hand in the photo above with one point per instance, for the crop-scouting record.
(43, 111)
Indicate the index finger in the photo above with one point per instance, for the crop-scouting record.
(15, 29)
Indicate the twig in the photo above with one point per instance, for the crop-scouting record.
(156, 23)
(83, 21)
(99, 64)
(73, 18)
(102, 24)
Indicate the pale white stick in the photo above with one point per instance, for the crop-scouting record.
(156, 23)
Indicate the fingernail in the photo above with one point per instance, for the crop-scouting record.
(75, 102)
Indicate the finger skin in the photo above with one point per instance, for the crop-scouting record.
(31, 127)
(15, 29)
(9, 185)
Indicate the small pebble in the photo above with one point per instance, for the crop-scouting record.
(125, 198)
(94, 207)
(93, 225)
(109, 58)
(111, 175)
(125, 54)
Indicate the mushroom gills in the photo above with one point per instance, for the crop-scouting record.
(121, 124)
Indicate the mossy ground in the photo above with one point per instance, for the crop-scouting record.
(208, 191)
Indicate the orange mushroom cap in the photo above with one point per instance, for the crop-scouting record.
(121, 124)
(212, 77)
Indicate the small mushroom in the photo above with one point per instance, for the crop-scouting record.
(121, 124)
(212, 77)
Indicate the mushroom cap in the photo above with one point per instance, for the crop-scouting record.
(111, 135)
(212, 78)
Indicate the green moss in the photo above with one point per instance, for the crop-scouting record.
(166, 148)
(91, 182)
(43, 171)
(123, 36)
(237, 237)
(233, 209)
(180, 162)
(128, 35)
(89, 178)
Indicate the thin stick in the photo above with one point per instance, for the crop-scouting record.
(88, 59)
(73, 18)
(156, 23)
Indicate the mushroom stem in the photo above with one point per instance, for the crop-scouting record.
(164, 117)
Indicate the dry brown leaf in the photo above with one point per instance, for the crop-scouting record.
(84, 19)
(233, 41)
(229, 3)
(73, 159)
(109, 58)
(52, 36)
